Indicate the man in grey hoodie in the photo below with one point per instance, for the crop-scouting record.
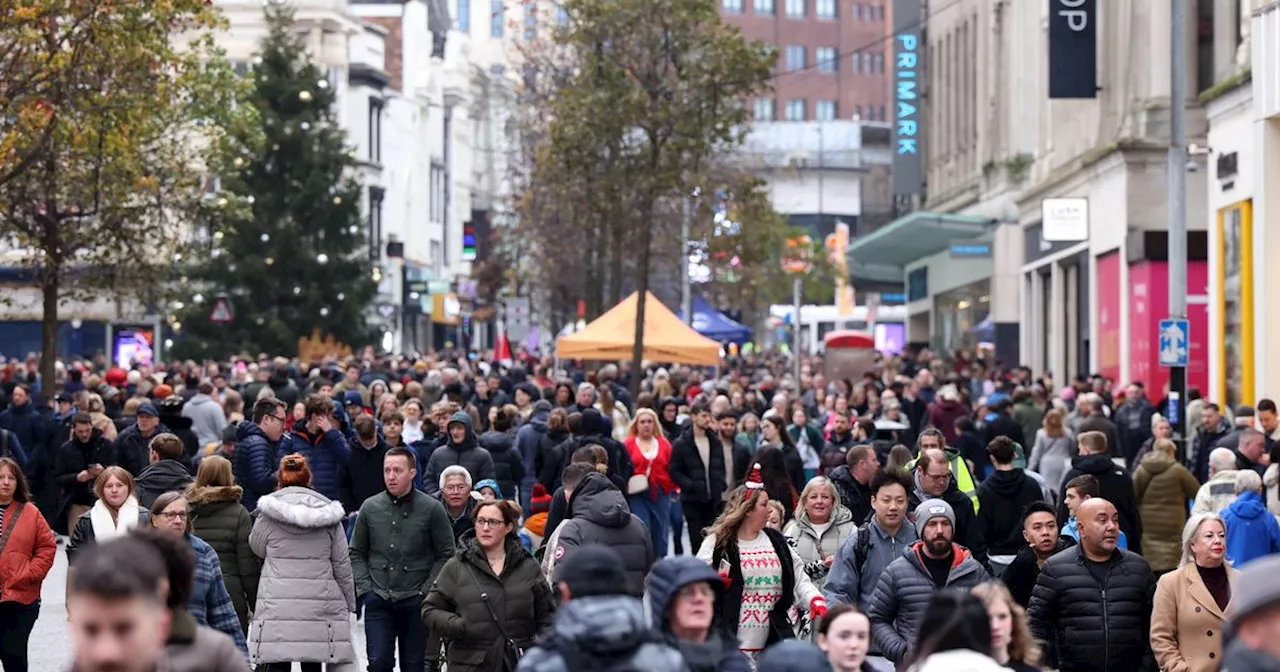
(206, 414)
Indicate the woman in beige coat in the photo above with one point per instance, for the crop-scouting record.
(1187, 621)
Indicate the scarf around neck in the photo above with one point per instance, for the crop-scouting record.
(104, 528)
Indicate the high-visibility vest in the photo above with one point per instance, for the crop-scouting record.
(960, 471)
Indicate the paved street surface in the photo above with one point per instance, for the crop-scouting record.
(51, 643)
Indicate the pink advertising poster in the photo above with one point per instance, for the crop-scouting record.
(1148, 304)
(1108, 316)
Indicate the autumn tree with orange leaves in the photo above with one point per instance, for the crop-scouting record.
(106, 110)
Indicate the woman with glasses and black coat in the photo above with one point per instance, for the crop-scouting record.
(490, 600)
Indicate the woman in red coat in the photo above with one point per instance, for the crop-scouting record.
(27, 548)
(649, 488)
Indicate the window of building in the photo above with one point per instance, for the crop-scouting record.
(376, 195)
(824, 110)
(883, 116)
(437, 193)
(375, 130)
(825, 9)
(868, 64)
(463, 21)
(879, 63)
(530, 21)
(795, 109)
(497, 18)
(857, 63)
(795, 57)
(857, 11)
(857, 112)
(764, 109)
(765, 7)
(732, 6)
(796, 8)
(826, 59)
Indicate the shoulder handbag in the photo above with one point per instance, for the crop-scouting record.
(639, 483)
(11, 523)
(511, 652)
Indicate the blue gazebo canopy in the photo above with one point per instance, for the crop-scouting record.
(716, 325)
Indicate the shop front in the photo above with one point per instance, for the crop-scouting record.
(1231, 268)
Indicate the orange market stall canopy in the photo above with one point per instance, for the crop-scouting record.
(666, 338)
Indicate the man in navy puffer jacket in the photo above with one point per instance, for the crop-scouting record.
(323, 444)
(254, 462)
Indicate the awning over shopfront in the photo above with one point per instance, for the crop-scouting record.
(666, 338)
(882, 255)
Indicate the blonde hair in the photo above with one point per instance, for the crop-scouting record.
(741, 502)
(1054, 425)
(1189, 531)
(813, 484)
(776, 507)
(1023, 648)
(641, 412)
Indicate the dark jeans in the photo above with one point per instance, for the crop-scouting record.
(698, 515)
(288, 667)
(16, 622)
(385, 623)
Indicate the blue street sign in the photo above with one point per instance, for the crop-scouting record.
(1175, 343)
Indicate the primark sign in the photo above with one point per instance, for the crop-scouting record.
(908, 126)
(1073, 48)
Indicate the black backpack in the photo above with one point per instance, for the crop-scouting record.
(862, 548)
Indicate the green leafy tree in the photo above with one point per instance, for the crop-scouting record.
(287, 245)
(660, 86)
(105, 110)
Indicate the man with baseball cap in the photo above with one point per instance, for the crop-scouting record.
(1255, 620)
(908, 583)
(598, 626)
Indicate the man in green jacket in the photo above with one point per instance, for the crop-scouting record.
(401, 541)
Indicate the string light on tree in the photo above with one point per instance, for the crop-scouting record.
(198, 299)
(266, 237)
(322, 258)
(304, 96)
(297, 290)
(324, 311)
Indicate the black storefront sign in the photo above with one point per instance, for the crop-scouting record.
(1073, 48)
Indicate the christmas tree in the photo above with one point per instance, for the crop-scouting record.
(283, 248)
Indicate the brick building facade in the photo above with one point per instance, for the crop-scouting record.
(833, 57)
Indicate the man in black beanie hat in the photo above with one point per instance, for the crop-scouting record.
(598, 626)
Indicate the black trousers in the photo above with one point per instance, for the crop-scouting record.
(698, 516)
(16, 622)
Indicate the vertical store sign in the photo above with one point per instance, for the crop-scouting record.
(908, 125)
(1073, 49)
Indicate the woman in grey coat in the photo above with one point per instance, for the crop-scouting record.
(306, 593)
(1054, 447)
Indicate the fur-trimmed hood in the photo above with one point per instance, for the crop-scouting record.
(214, 494)
(301, 507)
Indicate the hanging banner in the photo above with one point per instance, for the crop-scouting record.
(1073, 49)
(908, 123)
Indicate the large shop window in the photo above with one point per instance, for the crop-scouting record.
(1235, 302)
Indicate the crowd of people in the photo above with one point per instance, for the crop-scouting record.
(479, 515)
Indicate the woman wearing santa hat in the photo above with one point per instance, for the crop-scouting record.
(762, 573)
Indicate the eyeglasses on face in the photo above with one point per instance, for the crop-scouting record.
(173, 515)
(489, 523)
